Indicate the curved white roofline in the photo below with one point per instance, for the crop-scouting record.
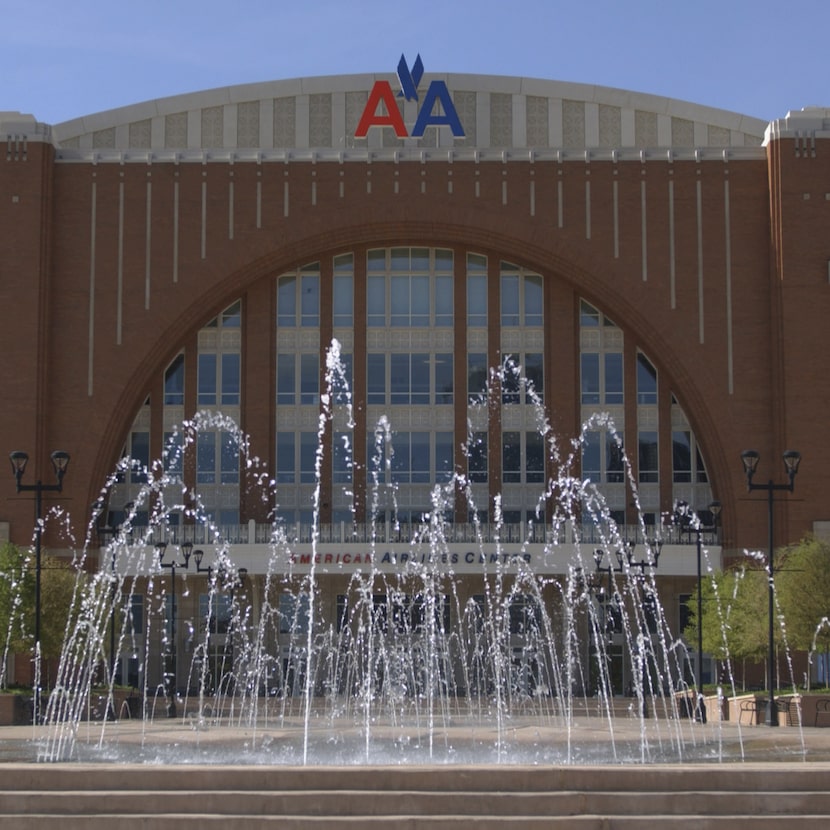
(496, 112)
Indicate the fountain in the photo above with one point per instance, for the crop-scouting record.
(414, 666)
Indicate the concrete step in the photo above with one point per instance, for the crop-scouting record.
(707, 796)
(385, 803)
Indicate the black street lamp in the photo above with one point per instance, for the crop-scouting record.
(690, 522)
(750, 460)
(171, 671)
(627, 563)
(60, 462)
(231, 585)
(107, 536)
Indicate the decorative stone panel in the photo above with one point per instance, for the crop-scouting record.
(247, 124)
(501, 119)
(537, 121)
(285, 122)
(573, 123)
(213, 127)
(175, 130)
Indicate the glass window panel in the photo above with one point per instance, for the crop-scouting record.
(310, 302)
(401, 458)
(308, 457)
(681, 456)
(419, 259)
(510, 299)
(399, 259)
(477, 460)
(376, 260)
(341, 381)
(476, 377)
(174, 382)
(511, 380)
(443, 260)
(420, 458)
(591, 458)
(420, 294)
(444, 463)
(230, 379)
(232, 316)
(420, 378)
(376, 301)
(376, 379)
(614, 461)
(590, 377)
(286, 379)
(613, 378)
(137, 613)
(229, 462)
(140, 454)
(344, 264)
(342, 458)
(477, 300)
(309, 379)
(443, 301)
(646, 381)
(533, 300)
(287, 301)
(343, 312)
(399, 378)
(534, 457)
(700, 473)
(535, 376)
(399, 299)
(173, 450)
(588, 315)
(286, 460)
(647, 455)
(207, 380)
(206, 458)
(511, 454)
(443, 378)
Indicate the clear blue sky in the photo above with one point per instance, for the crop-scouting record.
(63, 60)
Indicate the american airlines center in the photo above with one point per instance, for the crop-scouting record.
(327, 327)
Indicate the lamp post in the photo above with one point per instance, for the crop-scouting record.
(627, 562)
(106, 537)
(231, 585)
(750, 459)
(60, 462)
(690, 523)
(171, 673)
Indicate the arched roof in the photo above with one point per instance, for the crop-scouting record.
(504, 113)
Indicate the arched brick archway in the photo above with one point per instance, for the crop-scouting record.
(550, 260)
(122, 251)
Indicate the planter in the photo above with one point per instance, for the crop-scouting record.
(15, 709)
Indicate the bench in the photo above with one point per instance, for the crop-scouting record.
(751, 707)
(755, 708)
(822, 711)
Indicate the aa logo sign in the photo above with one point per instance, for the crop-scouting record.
(436, 110)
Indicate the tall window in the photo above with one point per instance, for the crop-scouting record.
(298, 378)
(414, 379)
(602, 457)
(409, 288)
(523, 457)
(646, 380)
(602, 378)
(298, 298)
(521, 297)
(648, 456)
(174, 382)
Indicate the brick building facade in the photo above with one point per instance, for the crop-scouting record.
(156, 261)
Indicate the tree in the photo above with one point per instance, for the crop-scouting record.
(803, 584)
(17, 603)
(17, 595)
(735, 622)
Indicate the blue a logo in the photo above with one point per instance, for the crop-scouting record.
(437, 93)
